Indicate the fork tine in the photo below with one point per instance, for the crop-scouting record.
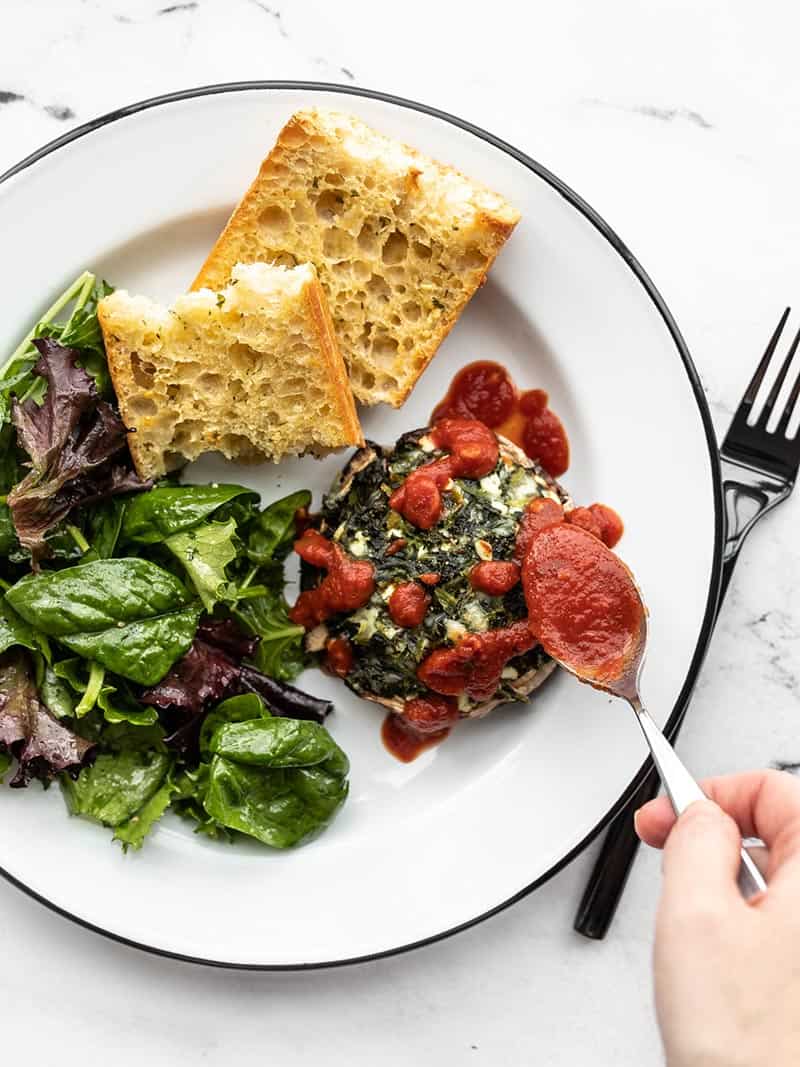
(776, 385)
(795, 393)
(761, 369)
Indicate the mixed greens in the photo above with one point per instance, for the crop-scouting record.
(146, 649)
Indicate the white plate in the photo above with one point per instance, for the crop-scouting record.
(423, 849)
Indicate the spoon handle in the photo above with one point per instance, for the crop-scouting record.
(681, 787)
(683, 790)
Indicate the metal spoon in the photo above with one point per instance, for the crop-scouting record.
(681, 787)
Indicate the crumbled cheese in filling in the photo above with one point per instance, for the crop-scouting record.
(366, 619)
(455, 630)
(358, 546)
(474, 616)
(491, 485)
(523, 488)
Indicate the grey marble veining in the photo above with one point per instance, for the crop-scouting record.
(678, 122)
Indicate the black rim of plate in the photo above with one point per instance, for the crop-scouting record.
(705, 415)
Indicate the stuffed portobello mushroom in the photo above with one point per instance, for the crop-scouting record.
(417, 588)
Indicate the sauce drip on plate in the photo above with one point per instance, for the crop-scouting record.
(484, 390)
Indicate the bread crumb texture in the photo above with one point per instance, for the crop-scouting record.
(252, 371)
(400, 241)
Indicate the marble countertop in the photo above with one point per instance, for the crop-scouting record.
(677, 120)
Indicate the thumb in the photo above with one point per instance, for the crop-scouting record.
(701, 860)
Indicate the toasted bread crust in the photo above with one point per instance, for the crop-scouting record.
(252, 371)
(322, 324)
(400, 241)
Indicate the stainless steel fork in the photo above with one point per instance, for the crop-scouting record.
(759, 467)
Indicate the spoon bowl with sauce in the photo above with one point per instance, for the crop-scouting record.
(589, 616)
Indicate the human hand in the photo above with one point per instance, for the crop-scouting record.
(727, 971)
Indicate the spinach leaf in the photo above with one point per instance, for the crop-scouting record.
(280, 651)
(112, 695)
(103, 527)
(270, 535)
(131, 834)
(190, 786)
(125, 736)
(119, 705)
(235, 709)
(274, 742)
(166, 510)
(116, 786)
(280, 808)
(278, 780)
(55, 694)
(15, 631)
(129, 615)
(205, 552)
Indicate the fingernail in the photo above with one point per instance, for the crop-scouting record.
(636, 820)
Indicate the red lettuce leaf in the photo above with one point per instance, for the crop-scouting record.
(212, 670)
(28, 731)
(72, 439)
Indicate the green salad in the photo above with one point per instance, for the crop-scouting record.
(146, 651)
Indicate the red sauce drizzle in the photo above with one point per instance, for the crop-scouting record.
(430, 578)
(303, 519)
(348, 585)
(473, 454)
(338, 656)
(485, 390)
(538, 515)
(599, 520)
(582, 601)
(475, 664)
(426, 720)
(404, 742)
(408, 604)
(495, 577)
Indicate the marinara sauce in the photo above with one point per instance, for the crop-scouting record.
(426, 720)
(338, 656)
(484, 390)
(582, 602)
(347, 586)
(473, 453)
(408, 604)
(475, 665)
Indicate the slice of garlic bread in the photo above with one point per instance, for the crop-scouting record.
(400, 241)
(252, 371)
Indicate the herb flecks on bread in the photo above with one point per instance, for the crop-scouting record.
(251, 371)
(400, 241)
